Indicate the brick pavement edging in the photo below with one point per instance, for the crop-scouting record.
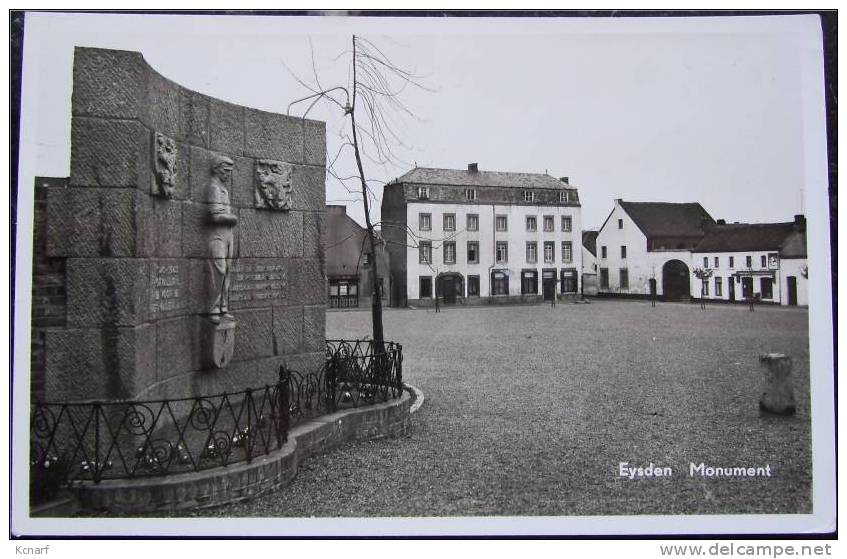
(236, 482)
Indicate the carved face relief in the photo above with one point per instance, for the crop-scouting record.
(164, 166)
(273, 185)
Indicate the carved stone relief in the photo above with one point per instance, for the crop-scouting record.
(273, 185)
(164, 165)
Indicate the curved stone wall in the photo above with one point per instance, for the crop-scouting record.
(135, 229)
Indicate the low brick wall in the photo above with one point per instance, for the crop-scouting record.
(241, 481)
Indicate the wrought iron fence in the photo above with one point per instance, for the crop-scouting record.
(91, 441)
(355, 373)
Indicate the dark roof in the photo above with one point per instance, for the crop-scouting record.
(794, 245)
(667, 219)
(589, 241)
(745, 237)
(456, 177)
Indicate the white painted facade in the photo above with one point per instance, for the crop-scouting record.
(516, 236)
(641, 265)
(734, 267)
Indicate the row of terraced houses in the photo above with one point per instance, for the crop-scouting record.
(476, 237)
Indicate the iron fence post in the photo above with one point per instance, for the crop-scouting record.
(284, 405)
(95, 468)
(248, 432)
(398, 356)
(331, 378)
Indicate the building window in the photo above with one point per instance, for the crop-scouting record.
(603, 251)
(705, 261)
(473, 286)
(567, 252)
(473, 222)
(548, 223)
(501, 223)
(569, 281)
(528, 196)
(449, 222)
(423, 193)
(425, 222)
(624, 275)
(529, 283)
(531, 223)
(499, 283)
(705, 287)
(749, 262)
(764, 261)
(450, 253)
(532, 253)
(604, 278)
(425, 252)
(366, 258)
(563, 197)
(623, 251)
(718, 287)
(717, 262)
(766, 288)
(732, 262)
(567, 224)
(620, 224)
(470, 194)
(426, 287)
(502, 252)
(549, 250)
(473, 252)
(343, 293)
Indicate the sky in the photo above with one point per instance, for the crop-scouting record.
(643, 109)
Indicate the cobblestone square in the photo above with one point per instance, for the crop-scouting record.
(530, 411)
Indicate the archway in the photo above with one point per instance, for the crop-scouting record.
(450, 286)
(675, 281)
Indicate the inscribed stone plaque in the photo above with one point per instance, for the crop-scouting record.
(168, 292)
(258, 282)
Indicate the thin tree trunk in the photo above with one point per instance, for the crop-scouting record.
(376, 300)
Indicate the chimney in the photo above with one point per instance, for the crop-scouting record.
(618, 201)
(473, 168)
(800, 222)
(564, 180)
(721, 222)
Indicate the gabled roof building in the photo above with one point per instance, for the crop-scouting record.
(349, 270)
(644, 248)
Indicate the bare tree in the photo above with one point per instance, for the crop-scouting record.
(374, 94)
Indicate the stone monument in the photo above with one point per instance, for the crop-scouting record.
(185, 246)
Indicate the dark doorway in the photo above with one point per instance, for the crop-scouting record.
(747, 287)
(548, 285)
(450, 287)
(675, 282)
(499, 283)
(792, 290)
(730, 284)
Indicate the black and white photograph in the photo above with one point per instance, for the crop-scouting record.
(348, 274)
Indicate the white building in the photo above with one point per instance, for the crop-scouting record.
(589, 263)
(645, 247)
(473, 235)
(764, 261)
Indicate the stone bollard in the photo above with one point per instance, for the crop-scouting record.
(778, 397)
